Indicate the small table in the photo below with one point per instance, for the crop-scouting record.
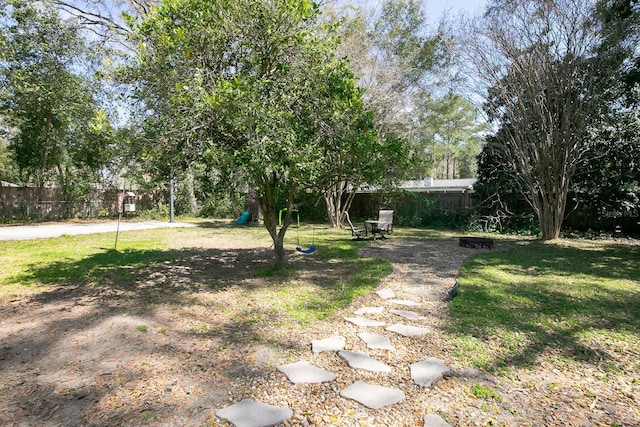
(378, 227)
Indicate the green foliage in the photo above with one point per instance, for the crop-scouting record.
(253, 87)
(160, 211)
(61, 135)
(618, 59)
(396, 57)
(609, 179)
(8, 172)
(542, 99)
(223, 205)
(402, 36)
(484, 392)
(413, 209)
(451, 133)
(421, 210)
(597, 173)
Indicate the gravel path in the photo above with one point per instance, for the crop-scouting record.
(540, 397)
(418, 266)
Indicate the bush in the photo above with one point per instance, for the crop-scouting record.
(413, 209)
(160, 211)
(223, 206)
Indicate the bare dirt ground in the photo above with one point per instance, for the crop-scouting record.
(207, 329)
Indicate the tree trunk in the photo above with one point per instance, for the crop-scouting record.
(336, 208)
(549, 198)
(271, 224)
(270, 215)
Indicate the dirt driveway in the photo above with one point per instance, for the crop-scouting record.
(39, 231)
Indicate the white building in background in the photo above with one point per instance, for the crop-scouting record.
(430, 185)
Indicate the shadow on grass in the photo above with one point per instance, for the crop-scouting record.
(148, 274)
(570, 303)
(101, 315)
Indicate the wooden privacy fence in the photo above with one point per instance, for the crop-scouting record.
(50, 204)
(366, 205)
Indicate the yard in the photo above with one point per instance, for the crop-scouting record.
(179, 323)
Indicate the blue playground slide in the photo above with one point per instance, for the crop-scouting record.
(244, 217)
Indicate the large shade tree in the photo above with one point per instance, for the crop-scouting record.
(396, 58)
(450, 136)
(253, 84)
(536, 58)
(49, 96)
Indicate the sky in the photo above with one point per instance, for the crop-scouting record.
(435, 8)
(438, 7)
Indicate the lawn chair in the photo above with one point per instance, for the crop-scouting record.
(384, 224)
(358, 233)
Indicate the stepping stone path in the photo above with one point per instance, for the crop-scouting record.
(358, 360)
(428, 371)
(248, 413)
(386, 293)
(375, 341)
(304, 373)
(363, 321)
(406, 302)
(411, 315)
(369, 310)
(433, 420)
(408, 330)
(429, 295)
(372, 396)
(328, 344)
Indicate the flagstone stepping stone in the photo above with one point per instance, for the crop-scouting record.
(428, 294)
(433, 420)
(372, 396)
(407, 330)
(335, 343)
(415, 281)
(406, 302)
(428, 371)
(359, 360)
(303, 372)
(363, 321)
(375, 341)
(411, 315)
(420, 269)
(436, 281)
(368, 310)
(249, 413)
(386, 293)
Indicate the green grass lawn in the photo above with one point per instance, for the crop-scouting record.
(90, 261)
(567, 303)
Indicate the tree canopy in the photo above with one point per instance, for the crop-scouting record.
(537, 59)
(563, 95)
(451, 135)
(48, 99)
(256, 85)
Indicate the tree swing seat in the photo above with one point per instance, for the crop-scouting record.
(311, 250)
